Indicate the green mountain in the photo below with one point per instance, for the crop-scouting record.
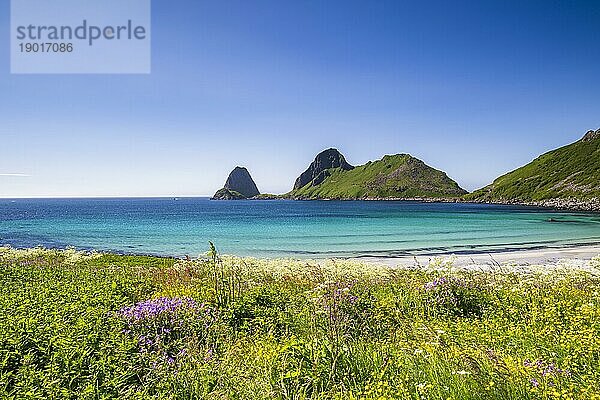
(572, 171)
(394, 176)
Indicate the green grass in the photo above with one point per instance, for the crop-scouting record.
(401, 176)
(258, 329)
(572, 171)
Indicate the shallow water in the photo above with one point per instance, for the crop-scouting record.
(280, 228)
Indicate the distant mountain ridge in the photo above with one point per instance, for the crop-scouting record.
(394, 176)
(568, 177)
(570, 172)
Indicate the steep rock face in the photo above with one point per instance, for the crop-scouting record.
(239, 185)
(317, 171)
(591, 136)
(240, 181)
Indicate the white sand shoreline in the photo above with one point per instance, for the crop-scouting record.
(547, 256)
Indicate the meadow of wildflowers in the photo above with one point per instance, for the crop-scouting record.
(100, 326)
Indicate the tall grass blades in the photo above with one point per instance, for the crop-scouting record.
(101, 326)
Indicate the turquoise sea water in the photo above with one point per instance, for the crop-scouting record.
(299, 229)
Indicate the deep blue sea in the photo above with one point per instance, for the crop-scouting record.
(280, 228)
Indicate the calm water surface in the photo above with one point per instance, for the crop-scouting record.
(283, 228)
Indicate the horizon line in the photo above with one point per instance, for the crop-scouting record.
(105, 197)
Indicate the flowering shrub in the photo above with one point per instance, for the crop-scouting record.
(544, 372)
(344, 311)
(69, 256)
(454, 296)
(166, 328)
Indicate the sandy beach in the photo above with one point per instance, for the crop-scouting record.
(580, 255)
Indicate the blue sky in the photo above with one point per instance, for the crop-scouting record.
(474, 88)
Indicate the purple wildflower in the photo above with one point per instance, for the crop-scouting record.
(209, 355)
(164, 326)
(534, 382)
(437, 282)
(442, 282)
(547, 371)
(156, 307)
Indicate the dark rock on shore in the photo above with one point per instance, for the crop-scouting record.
(239, 185)
(226, 194)
(566, 204)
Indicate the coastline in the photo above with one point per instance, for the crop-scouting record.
(577, 254)
(548, 257)
(566, 204)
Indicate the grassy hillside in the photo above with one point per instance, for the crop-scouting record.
(400, 175)
(86, 326)
(572, 171)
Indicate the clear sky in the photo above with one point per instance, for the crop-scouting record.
(474, 88)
